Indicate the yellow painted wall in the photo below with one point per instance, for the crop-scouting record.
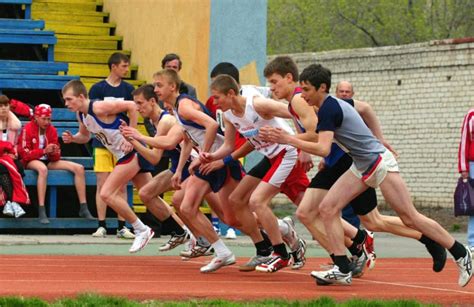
(153, 28)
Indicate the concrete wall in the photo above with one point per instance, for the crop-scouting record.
(420, 93)
(153, 28)
(202, 32)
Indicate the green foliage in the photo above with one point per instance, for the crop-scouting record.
(318, 25)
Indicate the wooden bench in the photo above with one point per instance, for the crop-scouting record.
(33, 67)
(30, 37)
(33, 75)
(26, 4)
(25, 24)
(63, 120)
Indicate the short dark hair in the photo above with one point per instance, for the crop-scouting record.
(281, 65)
(77, 87)
(116, 58)
(225, 83)
(4, 100)
(147, 90)
(226, 68)
(316, 74)
(170, 57)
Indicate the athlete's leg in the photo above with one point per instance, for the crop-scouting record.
(239, 199)
(110, 192)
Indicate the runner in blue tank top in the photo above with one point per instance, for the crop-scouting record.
(103, 119)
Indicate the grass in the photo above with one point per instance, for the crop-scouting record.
(94, 300)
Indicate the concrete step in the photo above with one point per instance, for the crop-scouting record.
(85, 55)
(66, 41)
(98, 2)
(65, 6)
(69, 17)
(80, 28)
(95, 70)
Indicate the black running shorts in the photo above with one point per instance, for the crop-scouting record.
(324, 179)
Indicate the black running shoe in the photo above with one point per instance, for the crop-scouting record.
(438, 253)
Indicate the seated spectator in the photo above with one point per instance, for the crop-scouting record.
(12, 188)
(39, 150)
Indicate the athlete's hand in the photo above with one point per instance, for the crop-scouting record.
(193, 165)
(206, 157)
(126, 146)
(305, 161)
(67, 137)
(273, 135)
(130, 133)
(176, 181)
(207, 168)
(321, 165)
(389, 147)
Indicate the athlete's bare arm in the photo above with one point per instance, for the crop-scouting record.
(226, 148)
(321, 148)
(188, 111)
(81, 137)
(110, 108)
(370, 118)
(269, 108)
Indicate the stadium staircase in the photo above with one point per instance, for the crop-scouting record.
(46, 43)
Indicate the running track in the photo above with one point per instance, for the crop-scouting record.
(169, 278)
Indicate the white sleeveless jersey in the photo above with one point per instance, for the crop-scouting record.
(249, 125)
(108, 134)
(194, 131)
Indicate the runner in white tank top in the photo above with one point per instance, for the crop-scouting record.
(202, 131)
(248, 114)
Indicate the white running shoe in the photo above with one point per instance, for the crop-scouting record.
(332, 276)
(17, 209)
(101, 232)
(218, 262)
(231, 235)
(8, 209)
(125, 233)
(465, 268)
(141, 240)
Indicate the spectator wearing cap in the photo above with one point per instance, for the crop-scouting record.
(39, 150)
(12, 189)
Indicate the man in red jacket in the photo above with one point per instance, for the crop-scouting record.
(39, 150)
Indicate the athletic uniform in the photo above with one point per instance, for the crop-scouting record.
(278, 167)
(371, 160)
(336, 164)
(104, 161)
(109, 135)
(196, 133)
(173, 154)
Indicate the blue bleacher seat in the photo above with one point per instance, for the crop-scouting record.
(26, 3)
(25, 24)
(30, 37)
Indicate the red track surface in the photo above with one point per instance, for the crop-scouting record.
(169, 278)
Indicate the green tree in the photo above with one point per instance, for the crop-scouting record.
(317, 25)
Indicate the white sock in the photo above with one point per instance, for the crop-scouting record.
(284, 229)
(139, 226)
(289, 237)
(221, 249)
